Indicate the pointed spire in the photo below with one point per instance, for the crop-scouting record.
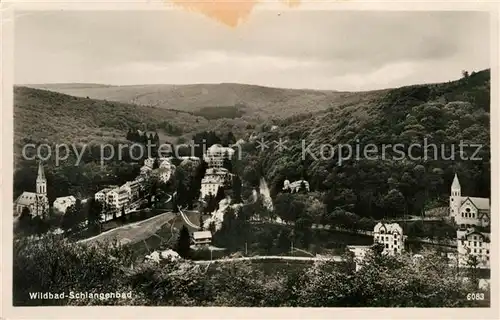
(41, 173)
(456, 183)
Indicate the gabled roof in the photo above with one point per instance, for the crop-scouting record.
(388, 227)
(26, 198)
(479, 203)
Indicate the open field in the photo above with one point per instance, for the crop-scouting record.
(134, 232)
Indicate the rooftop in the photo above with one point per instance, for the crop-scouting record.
(202, 235)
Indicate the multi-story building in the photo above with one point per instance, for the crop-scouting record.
(391, 236)
(115, 198)
(118, 198)
(36, 202)
(101, 195)
(133, 188)
(62, 204)
(214, 179)
(473, 246)
(216, 155)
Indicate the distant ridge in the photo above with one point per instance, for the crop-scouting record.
(252, 100)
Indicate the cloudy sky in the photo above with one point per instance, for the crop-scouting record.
(296, 49)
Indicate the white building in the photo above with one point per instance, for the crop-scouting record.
(202, 237)
(133, 188)
(101, 195)
(62, 204)
(114, 199)
(216, 155)
(468, 211)
(37, 202)
(214, 179)
(295, 186)
(471, 243)
(391, 236)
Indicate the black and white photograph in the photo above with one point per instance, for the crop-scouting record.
(205, 156)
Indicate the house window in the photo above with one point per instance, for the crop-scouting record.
(395, 242)
(386, 238)
(387, 245)
(487, 251)
(462, 214)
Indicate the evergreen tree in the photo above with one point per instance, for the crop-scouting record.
(227, 164)
(183, 247)
(94, 212)
(25, 220)
(129, 135)
(220, 195)
(156, 139)
(123, 216)
(237, 189)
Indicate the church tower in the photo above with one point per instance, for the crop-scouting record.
(455, 197)
(41, 181)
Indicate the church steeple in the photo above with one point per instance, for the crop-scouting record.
(41, 181)
(455, 186)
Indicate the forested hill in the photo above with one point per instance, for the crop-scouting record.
(444, 114)
(45, 116)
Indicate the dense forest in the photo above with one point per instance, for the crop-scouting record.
(399, 183)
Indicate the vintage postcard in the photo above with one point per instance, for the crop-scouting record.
(289, 158)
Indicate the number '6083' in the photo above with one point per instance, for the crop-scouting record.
(475, 296)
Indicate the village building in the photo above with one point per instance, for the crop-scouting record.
(473, 246)
(468, 211)
(217, 154)
(101, 195)
(214, 179)
(202, 238)
(390, 236)
(133, 187)
(296, 186)
(36, 202)
(62, 204)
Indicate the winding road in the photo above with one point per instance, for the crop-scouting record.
(186, 219)
(260, 258)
